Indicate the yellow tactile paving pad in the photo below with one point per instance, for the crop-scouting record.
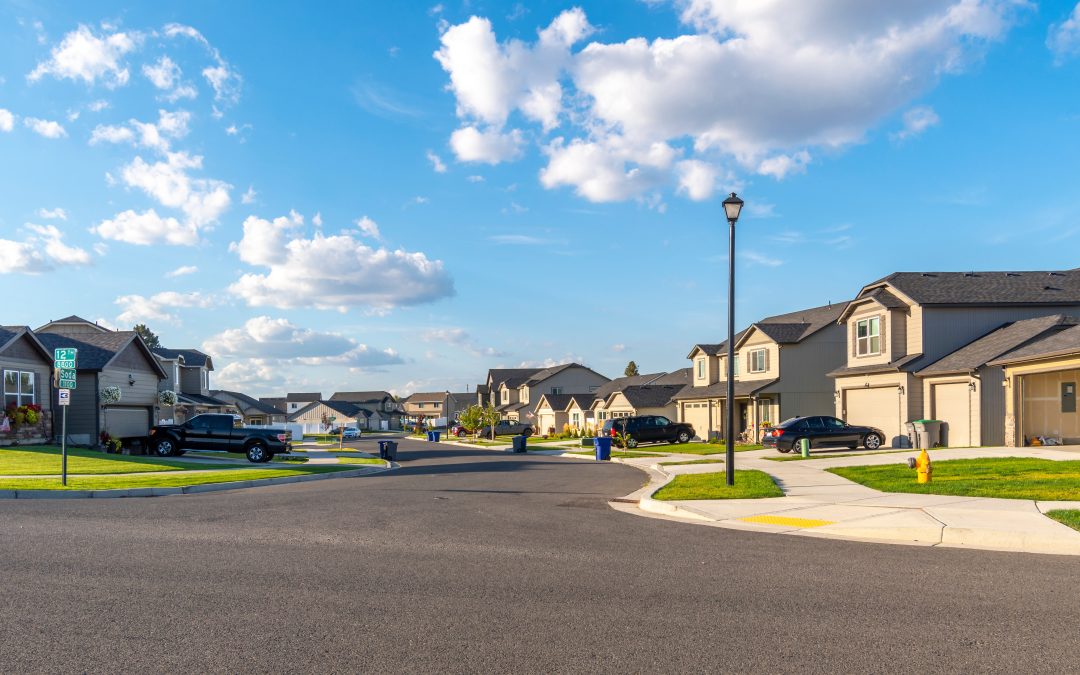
(787, 521)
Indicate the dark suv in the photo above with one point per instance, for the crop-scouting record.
(649, 429)
(822, 432)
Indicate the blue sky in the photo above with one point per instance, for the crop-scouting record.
(401, 196)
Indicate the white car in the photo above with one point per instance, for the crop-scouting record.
(350, 433)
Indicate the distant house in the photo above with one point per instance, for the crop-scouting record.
(422, 406)
(515, 392)
(555, 411)
(26, 369)
(107, 359)
(294, 401)
(254, 411)
(324, 416)
(600, 410)
(388, 412)
(189, 376)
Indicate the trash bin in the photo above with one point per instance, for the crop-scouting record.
(388, 450)
(929, 433)
(435, 436)
(430, 437)
(912, 435)
(519, 443)
(602, 444)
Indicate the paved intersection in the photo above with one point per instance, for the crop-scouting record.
(472, 560)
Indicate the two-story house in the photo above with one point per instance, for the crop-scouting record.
(907, 321)
(386, 410)
(254, 411)
(516, 392)
(296, 400)
(422, 407)
(781, 365)
(189, 377)
(26, 373)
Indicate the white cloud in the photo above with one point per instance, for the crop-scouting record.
(182, 271)
(17, 257)
(278, 339)
(170, 125)
(147, 228)
(39, 251)
(249, 196)
(760, 259)
(337, 272)
(46, 128)
(618, 348)
(163, 74)
(436, 162)
(82, 55)
(857, 62)
(98, 105)
(369, 228)
(107, 133)
(201, 200)
(53, 214)
(490, 146)
(696, 178)
(916, 121)
(53, 241)
(475, 179)
(316, 220)
(246, 374)
(158, 307)
(1064, 38)
(7, 120)
(457, 337)
(223, 79)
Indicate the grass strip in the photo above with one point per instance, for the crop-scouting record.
(211, 454)
(360, 460)
(1001, 477)
(161, 480)
(620, 454)
(749, 484)
(1070, 517)
(693, 461)
(46, 460)
(833, 454)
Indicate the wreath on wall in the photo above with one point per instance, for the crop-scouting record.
(167, 398)
(110, 395)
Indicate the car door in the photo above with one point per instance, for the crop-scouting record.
(815, 431)
(220, 433)
(197, 433)
(663, 430)
(840, 434)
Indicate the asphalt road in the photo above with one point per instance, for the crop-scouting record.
(476, 561)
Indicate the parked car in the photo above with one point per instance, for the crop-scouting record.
(347, 433)
(822, 432)
(459, 431)
(508, 428)
(649, 429)
(218, 432)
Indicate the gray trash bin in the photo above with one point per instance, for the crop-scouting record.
(929, 433)
(388, 450)
(912, 435)
(519, 444)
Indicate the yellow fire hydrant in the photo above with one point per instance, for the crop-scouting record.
(922, 466)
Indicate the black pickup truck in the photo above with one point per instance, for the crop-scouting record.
(218, 432)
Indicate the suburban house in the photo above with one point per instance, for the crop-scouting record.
(26, 367)
(189, 377)
(515, 392)
(967, 394)
(611, 400)
(279, 402)
(554, 411)
(1040, 389)
(781, 370)
(323, 416)
(422, 406)
(294, 401)
(387, 412)
(254, 411)
(107, 359)
(907, 321)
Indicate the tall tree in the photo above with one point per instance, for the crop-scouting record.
(631, 370)
(147, 335)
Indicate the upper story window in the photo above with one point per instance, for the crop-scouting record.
(176, 375)
(419, 405)
(556, 390)
(505, 395)
(759, 361)
(523, 394)
(868, 336)
(205, 379)
(701, 369)
(19, 388)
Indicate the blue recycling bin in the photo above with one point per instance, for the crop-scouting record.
(519, 443)
(435, 436)
(603, 448)
(430, 437)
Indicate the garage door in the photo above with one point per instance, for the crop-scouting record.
(875, 407)
(127, 422)
(951, 406)
(697, 416)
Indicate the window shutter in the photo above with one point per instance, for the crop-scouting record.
(766, 359)
(749, 363)
(881, 332)
(854, 338)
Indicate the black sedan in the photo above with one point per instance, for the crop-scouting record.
(822, 432)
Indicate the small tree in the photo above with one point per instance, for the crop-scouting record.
(631, 370)
(472, 418)
(490, 418)
(147, 335)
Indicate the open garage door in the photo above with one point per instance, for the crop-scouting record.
(876, 407)
(952, 406)
(127, 422)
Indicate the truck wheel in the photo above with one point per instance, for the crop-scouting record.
(257, 453)
(684, 437)
(165, 447)
(527, 433)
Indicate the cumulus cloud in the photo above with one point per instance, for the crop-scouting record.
(271, 339)
(181, 271)
(1064, 38)
(222, 77)
(250, 374)
(490, 146)
(53, 214)
(368, 228)
(807, 76)
(19, 257)
(55, 248)
(436, 162)
(459, 338)
(147, 228)
(158, 307)
(7, 120)
(249, 196)
(84, 55)
(46, 128)
(336, 272)
(171, 125)
(916, 121)
(697, 179)
(39, 252)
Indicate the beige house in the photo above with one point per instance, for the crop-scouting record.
(599, 411)
(254, 411)
(909, 320)
(516, 392)
(781, 365)
(421, 406)
(386, 411)
(1041, 381)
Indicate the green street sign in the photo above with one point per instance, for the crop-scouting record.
(67, 384)
(65, 354)
(67, 374)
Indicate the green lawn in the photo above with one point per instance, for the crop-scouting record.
(832, 453)
(161, 479)
(240, 455)
(345, 459)
(45, 460)
(693, 461)
(621, 454)
(722, 447)
(1005, 477)
(1066, 517)
(749, 484)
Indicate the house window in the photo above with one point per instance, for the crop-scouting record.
(601, 415)
(868, 336)
(763, 411)
(556, 390)
(18, 387)
(205, 379)
(576, 419)
(505, 395)
(757, 361)
(176, 375)
(419, 405)
(701, 369)
(593, 388)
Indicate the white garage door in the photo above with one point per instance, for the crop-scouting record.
(697, 416)
(951, 407)
(127, 422)
(875, 407)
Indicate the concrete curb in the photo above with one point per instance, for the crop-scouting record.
(189, 489)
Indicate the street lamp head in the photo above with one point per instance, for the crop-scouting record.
(732, 207)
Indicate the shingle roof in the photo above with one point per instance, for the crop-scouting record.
(620, 383)
(786, 328)
(720, 389)
(10, 333)
(558, 401)
(651, 395)
(987, 348)
(95, 350)
(359, 396)
(192, 357)
(425, 397)
(249, 402)
(909, 363)
(517, 375)
(1058, 343)
(301, 396)
(584, 401)
(277, 402)
(987, 288)
(199, 399)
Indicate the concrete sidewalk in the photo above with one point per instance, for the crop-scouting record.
(821, 504)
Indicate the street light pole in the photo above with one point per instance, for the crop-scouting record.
(732, 208)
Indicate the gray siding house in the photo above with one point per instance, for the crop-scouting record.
(189, 376)
(26, 371)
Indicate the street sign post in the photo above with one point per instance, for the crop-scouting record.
(64, 363)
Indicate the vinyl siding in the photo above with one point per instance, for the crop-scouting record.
(755, 341)
(947, 329)
(866, 312)
(805, 389)
(992, 405)
(191, 380)
(82, 415)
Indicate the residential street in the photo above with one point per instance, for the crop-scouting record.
(478, 561)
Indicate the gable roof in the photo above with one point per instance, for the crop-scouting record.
(1057, 343)
(719, 389)
(650, 395)
(978, 353)
(342, 407)
(620, 383)
(301, 396)
(192, 357)
(277, 402)
(558, 402)
(73, 319)
(426, 397)
(498, 376)
(680, 377)
(199, 399)
(360, 396)
(794, 327)
(584, 401)
(9, 334)
(248, 401)
(985, 288)
(97, 350)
